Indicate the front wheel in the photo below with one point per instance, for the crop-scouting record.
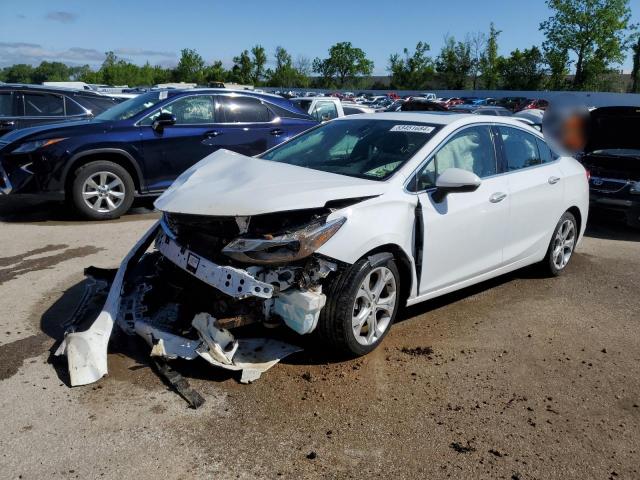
(102, 190)
(362, 303)
(563, 242)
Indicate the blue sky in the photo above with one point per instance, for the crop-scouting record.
(79, 32)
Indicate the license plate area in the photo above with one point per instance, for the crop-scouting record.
(235, 282)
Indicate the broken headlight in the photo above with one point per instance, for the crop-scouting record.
(288, 247)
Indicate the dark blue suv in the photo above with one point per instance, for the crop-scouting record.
(138, 147)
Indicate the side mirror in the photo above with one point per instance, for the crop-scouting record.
(163, 120)
(455, 180)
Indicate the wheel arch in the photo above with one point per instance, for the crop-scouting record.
(405, 267)
(120, 157)
(575, 211)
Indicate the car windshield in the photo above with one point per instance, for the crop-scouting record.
(363, 148)
(133, 106)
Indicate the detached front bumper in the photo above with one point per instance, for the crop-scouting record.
(86, 351)
(246, 295)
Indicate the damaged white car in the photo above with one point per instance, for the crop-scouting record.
(333, 231)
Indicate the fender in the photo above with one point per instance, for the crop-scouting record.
(117, 151)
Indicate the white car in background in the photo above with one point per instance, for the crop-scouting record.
(322, 109)
(339, 227)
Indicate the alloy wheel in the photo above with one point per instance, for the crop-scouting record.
(103, 192)
(563, 244)
(374, 306)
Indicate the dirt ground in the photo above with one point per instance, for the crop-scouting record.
(522, 377)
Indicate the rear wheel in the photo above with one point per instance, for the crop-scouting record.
(563, 242)
(362, 303)
(102, 190)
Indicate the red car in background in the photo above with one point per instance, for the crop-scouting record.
(539, 104)
(450, 102)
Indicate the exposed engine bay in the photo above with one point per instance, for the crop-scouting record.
(192, 279)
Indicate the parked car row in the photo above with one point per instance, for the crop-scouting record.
(112, 152)
(28, 105)
(140, 146)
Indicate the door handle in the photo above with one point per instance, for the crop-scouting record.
(8, 123)
(553, 180)
(212, 133)
(497, 197)
(276, 131)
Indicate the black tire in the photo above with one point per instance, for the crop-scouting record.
(127, 189)
(334, 324)
(548, 264)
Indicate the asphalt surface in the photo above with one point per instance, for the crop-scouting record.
(521, 377)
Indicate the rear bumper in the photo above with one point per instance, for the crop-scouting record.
(625, 205)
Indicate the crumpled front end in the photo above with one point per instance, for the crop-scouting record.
(205, 276)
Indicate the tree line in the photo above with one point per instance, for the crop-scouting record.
(586, 37)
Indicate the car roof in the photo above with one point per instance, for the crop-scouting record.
(46, 88)
(223, 90)
(439, 118)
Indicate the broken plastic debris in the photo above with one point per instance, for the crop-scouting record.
(251, 356)
(218, 343)
(257, 355)
(166, 344)
(87, 351)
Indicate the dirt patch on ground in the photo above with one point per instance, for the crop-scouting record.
(13, 355)
(22, 264)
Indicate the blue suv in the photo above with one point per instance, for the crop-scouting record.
(139, 147)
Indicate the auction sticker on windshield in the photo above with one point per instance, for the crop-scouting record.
(412, 128)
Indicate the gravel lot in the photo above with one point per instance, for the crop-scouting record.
(522, 377)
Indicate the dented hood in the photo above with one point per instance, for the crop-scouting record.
(227, 183)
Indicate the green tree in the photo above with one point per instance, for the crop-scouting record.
(594, 30)
(635, 71)
(259, 62)
(454, 63)
(478, 43)
(523, 70)
(285, 74)
(413, 70)
(489, 60)
(344, 64)
(19, 73)
(51, 71)
(215, 72)
(558, 68)
(190, 67)
(242, 70)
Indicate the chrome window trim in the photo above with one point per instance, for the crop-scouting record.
(275, 120)
(82, 107)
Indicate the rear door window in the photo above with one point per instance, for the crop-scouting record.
(546, 155)
(520, 148)
(43, 105)
(6, 104)
(242, 109)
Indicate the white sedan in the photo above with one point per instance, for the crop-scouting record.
(339, 227)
